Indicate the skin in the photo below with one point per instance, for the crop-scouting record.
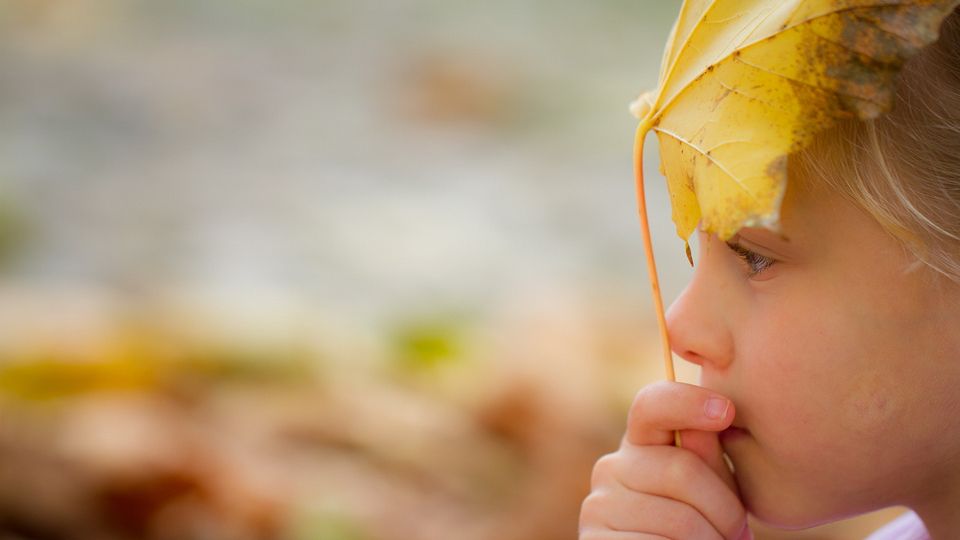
(841, 364)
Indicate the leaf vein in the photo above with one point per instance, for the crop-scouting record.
(719, 165)
(673, 64)
(758, 20)
(879, 5)
(752, 98)
(726, 19)
(686, 40)
(735, 141)
(805, 83)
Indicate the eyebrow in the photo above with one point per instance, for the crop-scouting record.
(763, 238)
(764, 231)
(771, 245)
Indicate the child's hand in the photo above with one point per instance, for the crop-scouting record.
(651, 489)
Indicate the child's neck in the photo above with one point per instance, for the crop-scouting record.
(939, 512)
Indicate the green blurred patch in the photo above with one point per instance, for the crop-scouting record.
(427, 345)
(13, 230)
(329, 526)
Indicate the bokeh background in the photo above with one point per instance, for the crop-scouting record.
(334, 269)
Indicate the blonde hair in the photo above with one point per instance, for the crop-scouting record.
(904, 166)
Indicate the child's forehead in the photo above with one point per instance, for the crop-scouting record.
(809, 216)
(811, 208)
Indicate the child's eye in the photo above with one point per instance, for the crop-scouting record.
(755, 262)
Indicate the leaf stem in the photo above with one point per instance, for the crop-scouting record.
(642, 130)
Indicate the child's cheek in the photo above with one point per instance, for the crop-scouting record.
(805, 378)
(825, 380)
(785, 388)
(869, 407)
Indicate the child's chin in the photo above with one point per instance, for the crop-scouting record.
(778, 511)
(788, 521)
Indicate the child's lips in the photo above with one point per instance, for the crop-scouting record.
(733, 433)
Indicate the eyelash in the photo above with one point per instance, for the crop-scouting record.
(756, 262)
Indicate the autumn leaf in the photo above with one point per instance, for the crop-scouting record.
(745, 83)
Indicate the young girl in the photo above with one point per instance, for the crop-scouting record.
(829, 354)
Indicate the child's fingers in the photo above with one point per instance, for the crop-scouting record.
(619, 535)
(661, 408)
(664, 407)
(677, 474)
(618, 508)
(706, 444)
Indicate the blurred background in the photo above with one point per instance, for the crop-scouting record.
(335, 269)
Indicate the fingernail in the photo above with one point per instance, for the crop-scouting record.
(716, 408)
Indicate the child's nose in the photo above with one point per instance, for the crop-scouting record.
(697, 327)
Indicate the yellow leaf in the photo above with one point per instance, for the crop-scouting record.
(744, 83)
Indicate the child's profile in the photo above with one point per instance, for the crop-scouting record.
(829, 353)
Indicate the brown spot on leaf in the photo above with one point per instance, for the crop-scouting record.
(777, 168)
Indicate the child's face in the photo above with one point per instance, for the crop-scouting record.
(844, 364)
